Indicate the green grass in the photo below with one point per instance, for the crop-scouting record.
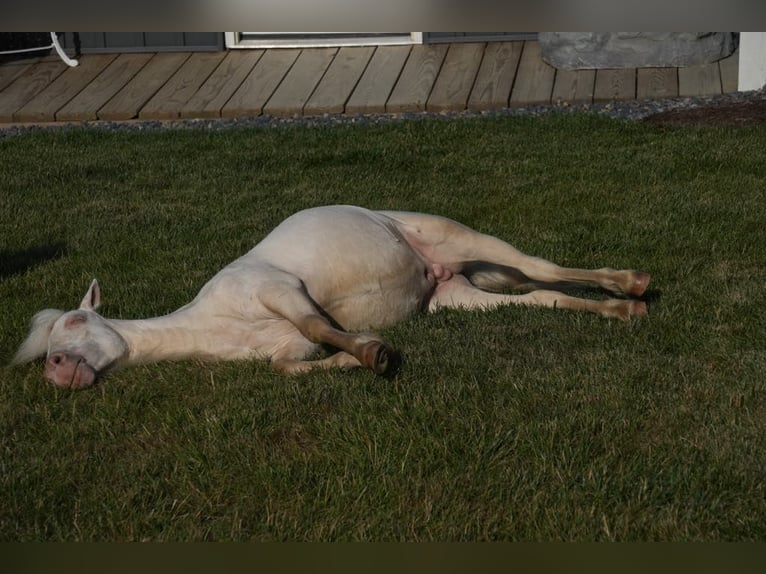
(516, 424)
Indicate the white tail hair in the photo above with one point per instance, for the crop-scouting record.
(36, 343)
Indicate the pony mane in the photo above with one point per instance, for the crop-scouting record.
(36, 343)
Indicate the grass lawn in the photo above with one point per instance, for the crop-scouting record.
(516, 424)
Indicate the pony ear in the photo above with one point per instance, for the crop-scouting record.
(92, 299)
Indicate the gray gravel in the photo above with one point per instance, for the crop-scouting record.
(629, 110)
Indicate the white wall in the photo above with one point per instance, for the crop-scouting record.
(752, 60)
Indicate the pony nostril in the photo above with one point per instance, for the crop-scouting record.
(56, 358)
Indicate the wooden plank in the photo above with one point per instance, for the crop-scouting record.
(11, 71)
(43, 107)
(492, 88)
(411, 91)
(341, 78)
(456, 77)
(615, 84)
(729, 68)
(300, 82)
(86, 104)
(377, 82)
(34, 81)
(129, 100)
(257, 88)
(656, 83)
(702, 80)
(221, 85)
(574, 86)
(534, 79)
(168, 101)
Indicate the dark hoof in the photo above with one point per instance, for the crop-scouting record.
(382, 359)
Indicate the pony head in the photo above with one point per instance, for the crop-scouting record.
(78, 345)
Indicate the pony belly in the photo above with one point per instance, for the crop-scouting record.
(382, 301)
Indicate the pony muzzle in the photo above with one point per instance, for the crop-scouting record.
(69, 370)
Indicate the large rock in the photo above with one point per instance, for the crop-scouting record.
(573, 50)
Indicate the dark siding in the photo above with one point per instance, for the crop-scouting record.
(122, 40)
(436, 37)
(99, 42)
(317, 37)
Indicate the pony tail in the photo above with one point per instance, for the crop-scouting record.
(36, 343)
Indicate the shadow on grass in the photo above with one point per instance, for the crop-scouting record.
(17, 262)
(652, 296)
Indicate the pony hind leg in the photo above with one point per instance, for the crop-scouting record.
(464, 250)
(459, 292)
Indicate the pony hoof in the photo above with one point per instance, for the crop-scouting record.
(624, 309)
(639, 284)
(639, 309)
(381, 358)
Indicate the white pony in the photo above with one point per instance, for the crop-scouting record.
(319, 278)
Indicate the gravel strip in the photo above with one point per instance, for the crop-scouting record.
(628, 110)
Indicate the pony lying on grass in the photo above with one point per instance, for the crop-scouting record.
(319, 278)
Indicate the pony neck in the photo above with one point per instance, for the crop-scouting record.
(169, 337)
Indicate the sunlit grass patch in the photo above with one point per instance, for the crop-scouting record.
(515, 424)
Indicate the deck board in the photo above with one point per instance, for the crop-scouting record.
(615, 84)
(575, 86)
(260, 83)
(167, 103)
(9, 72)
(534, 79)
(656, 83)
(127, 103)
(342, 76)
(492, 88)
(119, 72)
(288, 82)
(226, 79)
(456, 78)
(36, 79)
(43, 107)
(300, 82)
(703, 80)
(377, 82)
(411, 91)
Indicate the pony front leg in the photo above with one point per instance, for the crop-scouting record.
(286, 297)
(340, 360)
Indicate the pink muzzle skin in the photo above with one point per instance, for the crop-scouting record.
(69, 370)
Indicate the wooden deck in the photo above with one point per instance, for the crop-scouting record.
(315, 81)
